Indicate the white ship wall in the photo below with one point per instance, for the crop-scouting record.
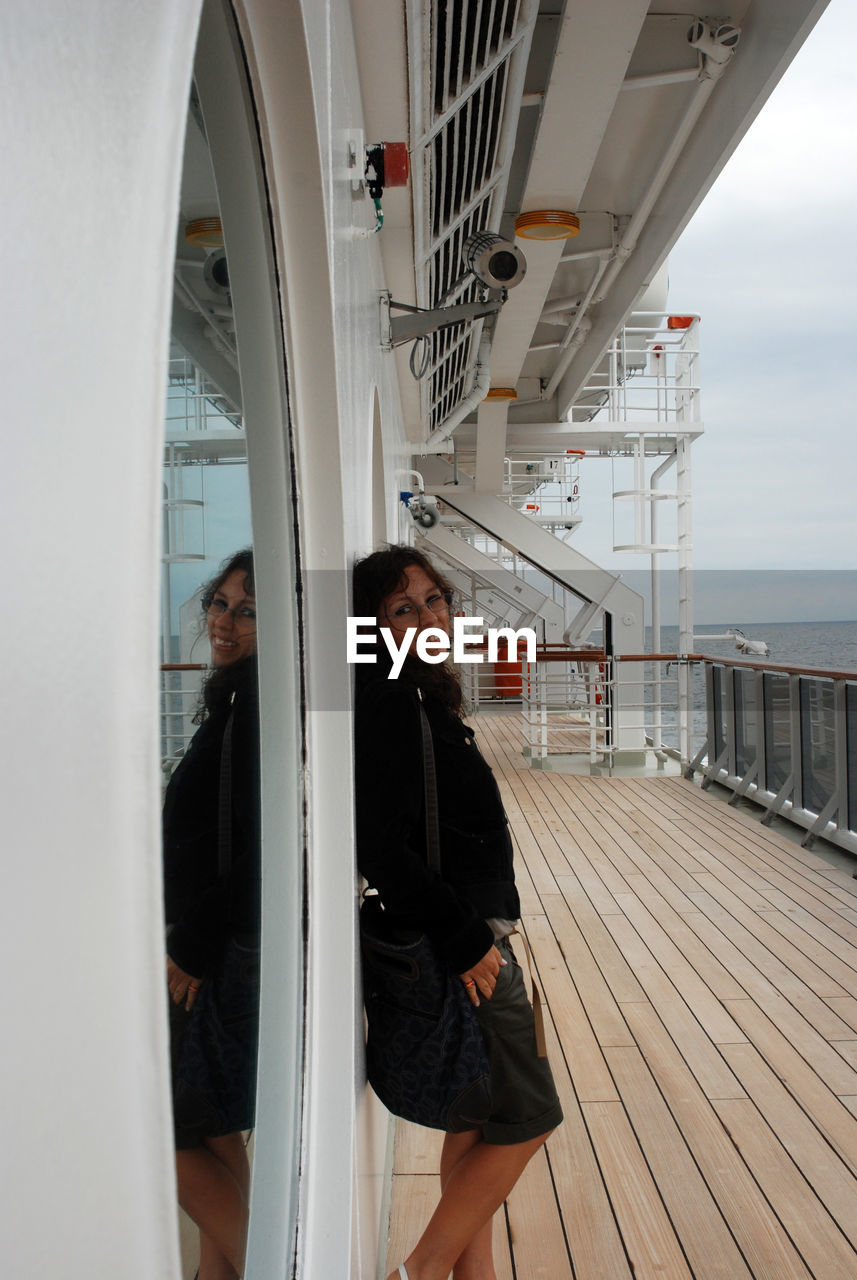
(94, 98)
(95, 106)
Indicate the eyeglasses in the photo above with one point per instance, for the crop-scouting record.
(439, 604)
(243, 616)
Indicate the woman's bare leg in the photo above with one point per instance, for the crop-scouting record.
(212, 1264)
(476, 1261)
(213, 1185)
(476, 1187)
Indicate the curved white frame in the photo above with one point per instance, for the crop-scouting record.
(231, 125)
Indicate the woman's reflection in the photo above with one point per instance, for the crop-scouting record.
(212, 896)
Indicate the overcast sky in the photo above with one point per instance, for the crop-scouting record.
(768, 262)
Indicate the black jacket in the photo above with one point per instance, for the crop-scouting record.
(477, 878)
(204, 909)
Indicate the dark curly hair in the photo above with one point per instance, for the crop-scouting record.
(222, 682)
(240, 561)
(377, 576)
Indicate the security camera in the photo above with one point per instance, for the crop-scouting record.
(216, 273)
(495, 262)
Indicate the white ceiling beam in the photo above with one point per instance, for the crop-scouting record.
(771, 33)
(594, 48)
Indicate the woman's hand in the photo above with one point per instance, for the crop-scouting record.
(482, 978)
(182, 985)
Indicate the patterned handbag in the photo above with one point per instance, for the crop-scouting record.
(425, 1053)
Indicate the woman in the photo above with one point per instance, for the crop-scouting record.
(211, 890)
(468, 911)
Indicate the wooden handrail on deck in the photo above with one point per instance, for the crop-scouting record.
(558, 653)
(785, 668)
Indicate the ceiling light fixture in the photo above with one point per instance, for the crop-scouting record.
(206, 232)
(547, 224)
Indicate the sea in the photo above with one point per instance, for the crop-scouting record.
(831, 645)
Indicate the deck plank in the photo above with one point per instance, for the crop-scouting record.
(705, 1237)
(649, 1237)
(596, 1245)
(582, 968)
(592, 1079)
(833, 1182)
(714, 1076)
(612, 964)
(699, 973)
(775, 857)
(760, 1236)
(535, 1226)
(826, 1252)
(818, 1097)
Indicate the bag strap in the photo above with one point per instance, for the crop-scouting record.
(430, 788)
(224, 808)
(538, 1012)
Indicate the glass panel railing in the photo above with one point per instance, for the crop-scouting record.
(786, 739)
(851, 752)
(714, 699)
(777, 721)
(817, 739)
(746, 725)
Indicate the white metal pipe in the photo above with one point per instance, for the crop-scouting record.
(476, 394)
(716, 57)
(711, 73)
(661, 78)
(656, 599)
(420, 484)
(578, 255)
(577, 331)
(562, 304)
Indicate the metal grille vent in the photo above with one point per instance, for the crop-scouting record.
(466, 36)
(468, 110)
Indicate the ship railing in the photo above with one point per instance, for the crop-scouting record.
(650, 370)
(784, 737)
(180, 686)
(581, 702)
(546, 489)
(194, 402)
(565, 702)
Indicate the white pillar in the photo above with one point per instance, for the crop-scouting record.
(490, 445)
(94, 100)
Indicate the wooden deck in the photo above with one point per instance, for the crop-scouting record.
(700, 972)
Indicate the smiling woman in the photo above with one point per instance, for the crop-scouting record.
(211, 900)
(458, 890)
(231, 615)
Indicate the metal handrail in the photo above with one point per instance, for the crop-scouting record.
(778, 734)
(178, 708)
(783, 736)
